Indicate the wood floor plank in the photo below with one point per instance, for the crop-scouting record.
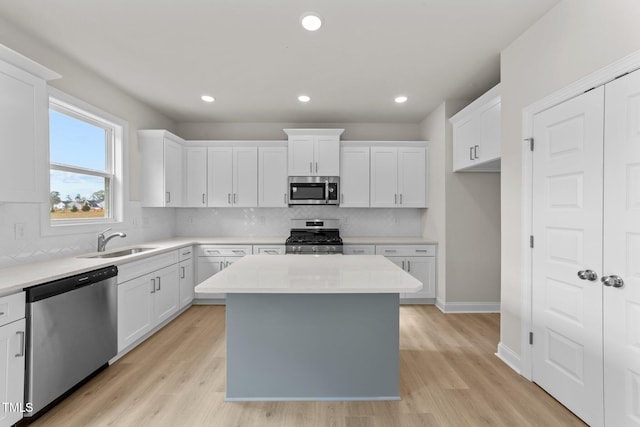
(449, 376)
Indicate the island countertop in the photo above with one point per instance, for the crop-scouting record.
(311, 274)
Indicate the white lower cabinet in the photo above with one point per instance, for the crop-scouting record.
(148, 297)
(213, 258)
(12, 358)
(417, 260)
(186, 276)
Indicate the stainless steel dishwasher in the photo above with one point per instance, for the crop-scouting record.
(72, 333)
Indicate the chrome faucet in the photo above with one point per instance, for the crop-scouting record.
(102, 241)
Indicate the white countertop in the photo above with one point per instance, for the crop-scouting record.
(311, 274)
(14, 279)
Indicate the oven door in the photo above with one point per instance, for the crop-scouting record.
(307, 193)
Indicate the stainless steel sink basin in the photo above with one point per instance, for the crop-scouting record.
(116, 254)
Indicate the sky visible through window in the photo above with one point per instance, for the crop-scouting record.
(76, 143)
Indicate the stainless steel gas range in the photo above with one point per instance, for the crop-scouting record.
(314, 236)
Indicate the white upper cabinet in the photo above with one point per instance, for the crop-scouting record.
(354, 177)
(195, 177)
(398, 177)
(232, 176)
(24, 124)
(314, 152)
(477, 134)
(162, 183)
(272, 177)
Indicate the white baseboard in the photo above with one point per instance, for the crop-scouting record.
(468, 307)
(509, 357)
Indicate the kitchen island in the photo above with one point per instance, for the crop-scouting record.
(309, 327)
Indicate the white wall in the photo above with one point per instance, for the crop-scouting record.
(464, 217)
(78, 81)
(571, 41)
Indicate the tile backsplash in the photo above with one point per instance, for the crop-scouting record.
(226, 222)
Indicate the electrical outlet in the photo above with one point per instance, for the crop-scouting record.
(19, 231)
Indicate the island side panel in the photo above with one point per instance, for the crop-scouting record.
(312, 347)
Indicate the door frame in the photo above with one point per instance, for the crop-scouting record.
(605, 75)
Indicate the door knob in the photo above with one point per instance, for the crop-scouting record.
(614, 281)
(590, 275)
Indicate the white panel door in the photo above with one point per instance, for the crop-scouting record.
(465, 137)
(186, 282)
(135, 310)
(12, 366)
(167, 294)
(423, 269)
(245, 177)
(326, 153)
(219, 176)
(412, 177)
(490, 132)
(207, 267)
(384, 177)
(567, 227)
(172, 173)
(622, 251)
(195, 177)
(272, 177)
(354, 177)
(300, 155)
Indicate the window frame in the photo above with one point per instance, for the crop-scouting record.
(117, 131)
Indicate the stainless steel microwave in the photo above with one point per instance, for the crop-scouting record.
(313, 190)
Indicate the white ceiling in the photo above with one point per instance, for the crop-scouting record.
(255, 58)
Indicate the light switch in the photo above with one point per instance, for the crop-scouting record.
(18, 231)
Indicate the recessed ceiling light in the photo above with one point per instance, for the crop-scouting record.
(311, 21)
(304, 98)
(207, 98)
(401, 99)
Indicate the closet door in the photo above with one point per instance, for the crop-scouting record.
(567, 228)
(622, 251)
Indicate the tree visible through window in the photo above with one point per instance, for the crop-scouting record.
(81, 150)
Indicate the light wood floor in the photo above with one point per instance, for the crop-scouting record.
(449, 376)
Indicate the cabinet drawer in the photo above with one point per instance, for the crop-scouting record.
(406, 250)
(233, 250)
(139, 268)
(359, 250)
(269, 249)
(186, 253)
(12, 308)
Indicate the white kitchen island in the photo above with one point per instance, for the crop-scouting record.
(309, 327)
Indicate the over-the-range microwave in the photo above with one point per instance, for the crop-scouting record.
(313, 190)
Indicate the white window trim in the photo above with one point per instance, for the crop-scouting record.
(120, 171)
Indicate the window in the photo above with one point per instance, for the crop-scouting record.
(85, 156)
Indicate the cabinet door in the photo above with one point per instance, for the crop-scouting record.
(219, 176)
(384, 177)
(23, 136)
(326, 154)
(300, 154)
(173, 173)
(412, 177)
(272, 181)
(207, 267)
(167, 295)
(490, 132)
(465, 138)
(423, 269)
(354, 177)
(195, 177)
(245, 177)
(186, 282)
(12, 366)
(135, 309)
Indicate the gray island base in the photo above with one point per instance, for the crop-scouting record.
(342, 346)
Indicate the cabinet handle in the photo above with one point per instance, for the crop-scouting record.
(186, 253)
(229, 198)
(168, 197)
(239, 251)
(22, 343)
(421, 250)
(153, 286)
(390, 251)
(341, 198)
(285, 198)
(310, 167)
(316, 167)
(400, 198)
(235, 198)
(475, 152)
(470, 153)
(221, 266)
(403, 265)
(203, 198)
(409, 266)
(183, 274)
(271, 251)
(358, 251)
(395, 199)
(158, 283)
(226, 264)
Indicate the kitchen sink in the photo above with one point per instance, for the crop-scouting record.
(116, 254)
